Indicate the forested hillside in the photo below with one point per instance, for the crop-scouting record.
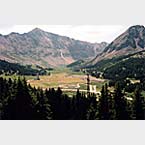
(122, 67)
(8, 68)
(131, 68)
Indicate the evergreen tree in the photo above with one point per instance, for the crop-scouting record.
(54, 98)
(120, 103)
(20, 107)
(43, 107)
(104, 104)
(139, 104)
(91, 113)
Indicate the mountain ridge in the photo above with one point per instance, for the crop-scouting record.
(123, 58)
(130, 41)
(45, 48)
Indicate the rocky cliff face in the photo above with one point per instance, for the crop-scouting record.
(131, 41)
(45, 49)
(133, 38)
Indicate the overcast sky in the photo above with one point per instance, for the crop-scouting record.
(90, 33)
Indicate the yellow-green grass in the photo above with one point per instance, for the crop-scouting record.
(65, 70)
(17, 76)
(62, 77)
(64, 80)
(9, 76)
(55, 80)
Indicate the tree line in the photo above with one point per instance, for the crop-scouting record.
(20, 101)
(130, 68)
(8, 68)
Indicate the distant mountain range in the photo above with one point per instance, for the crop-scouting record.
(45, 49)
(123, 57)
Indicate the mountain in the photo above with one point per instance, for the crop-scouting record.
(121, 67)
(123, 58)
(45, 49)
(131, 41)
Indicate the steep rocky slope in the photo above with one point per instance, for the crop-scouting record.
(45, 49)
(129, 42)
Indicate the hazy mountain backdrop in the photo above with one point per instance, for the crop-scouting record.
(46, 49)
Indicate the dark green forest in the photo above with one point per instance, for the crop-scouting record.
(130, 68)
(8, 68)
(119, 68)
(19, 101)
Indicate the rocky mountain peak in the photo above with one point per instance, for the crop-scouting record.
(136, 27)
(37, 30)
(136, 31)
(45, 49)
(133, 38)
(129, 42)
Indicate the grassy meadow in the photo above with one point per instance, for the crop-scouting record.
(64, 78)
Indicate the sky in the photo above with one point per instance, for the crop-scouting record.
(90, 33)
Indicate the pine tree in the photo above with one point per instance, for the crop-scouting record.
(43, 107)
(120, 103)
(20, 107)
(139, 104)
(104, 104)
(54, 98)
(65, 108)
(91, 113)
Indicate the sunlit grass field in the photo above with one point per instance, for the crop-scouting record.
(63, 78)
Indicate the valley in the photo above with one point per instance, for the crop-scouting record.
(49, 76)
(64, 78)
